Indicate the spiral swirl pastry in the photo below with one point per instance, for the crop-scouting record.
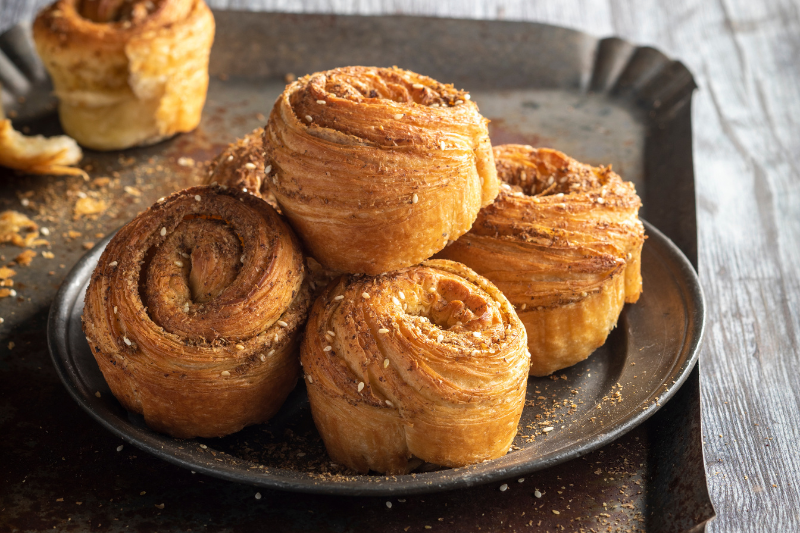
(126, 72)
(377, 169)
(194, 312)
(241, 166)
(563, 241)
(428, 362)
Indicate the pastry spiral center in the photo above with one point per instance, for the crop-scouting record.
(193, 267)
(105, 11)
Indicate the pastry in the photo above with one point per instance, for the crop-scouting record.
(126, 72)
(37, 154)
(241, 166)
(377, 169)
(563, 242)
(428, 363)
(194, 312)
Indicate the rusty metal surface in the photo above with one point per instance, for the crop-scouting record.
(651, 479)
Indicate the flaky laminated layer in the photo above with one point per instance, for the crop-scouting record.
(378, 169)
(563, 242)
(194, 312)
(126, 73)
(426, 363)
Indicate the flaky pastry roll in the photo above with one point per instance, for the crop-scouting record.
(194, 310)
(563, 241)
(377, 169)
(126, 72)
(428, 362)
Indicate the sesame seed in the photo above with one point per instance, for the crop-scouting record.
(583, 294)
(402, 296)
(230, 158)
(548, 429)
(475, 352)
(331, 333)
(385, 363)
(196, 197)
(628, 257)
(556, 512)
(97, 394)
(204, 446)
(600, 201)
(459, 102)
(521, 480)
(418, 86)
(262, 357)
(360, 386)
(115, 309)
(415, 198)
(45, 231)
(179, 263)
(467, 97)
(258, 495)
(389, 403)
(308, 118)
(119, 448)
(389, 504)
(327, 348)
(268, 169)
(365, 295)
(127, 341)
(240, 347)
(185, 256)
(241, 259)
(383, 330)
(537, 494)
(186, 307)
(163, 232)
(310, 379)
(275, 179)
(395, 300)
(225, 373)
(503, 487)
(439, 338)
(337, 298)
(524, 306)
(271, 352)
(281, 323)
(476, 334)
(398, 116)
(250, 166)
(551, 180)
(441, 145)
(321, 102)
(114, 263)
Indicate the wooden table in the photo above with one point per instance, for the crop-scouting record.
(745, 57)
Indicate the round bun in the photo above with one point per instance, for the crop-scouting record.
(194, 312)
(428, 363)
(563, 242)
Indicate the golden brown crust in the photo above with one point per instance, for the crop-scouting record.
(126, 74)
(241, 166)
(429, 361)
(377, 169)
(194, 311)
(563, 242)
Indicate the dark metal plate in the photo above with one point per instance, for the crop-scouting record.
(644, 361)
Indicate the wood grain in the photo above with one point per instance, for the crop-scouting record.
(744, 56)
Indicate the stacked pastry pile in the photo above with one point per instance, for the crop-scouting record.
(197, 307)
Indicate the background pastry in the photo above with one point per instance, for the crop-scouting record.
(428, 362)
(563, 242)
(377, 169)
(241, 166)
(126, 72)
(194, 312)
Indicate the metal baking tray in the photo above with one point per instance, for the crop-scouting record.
(601, 101)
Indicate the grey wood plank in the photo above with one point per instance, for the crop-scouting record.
(744, 56)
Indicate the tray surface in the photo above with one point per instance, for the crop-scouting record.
(642, 364)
